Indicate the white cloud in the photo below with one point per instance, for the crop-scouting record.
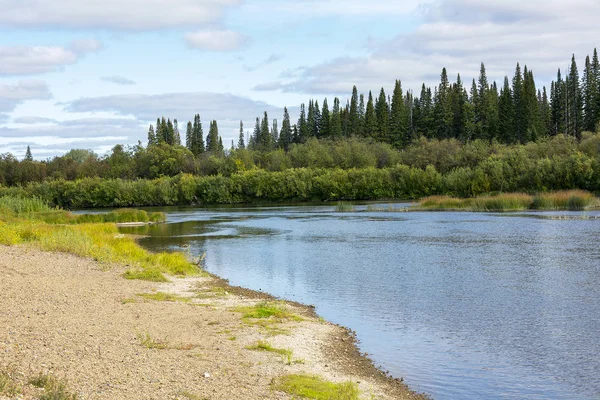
(81, 46)
(12, 95)
(28, 60)
(321, 8)
(129, 15)
(31, 120)
(119, 80)
(216, 40)
(459, 35)
(25, 60)
(182, 106)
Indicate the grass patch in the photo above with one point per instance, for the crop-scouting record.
(572, 200)
(54, 389)
(100, 241)
(344, 207)
(161, 296)
(261, 345)
(7, 385)
(150, 343)
(314, 387)
(268, 309)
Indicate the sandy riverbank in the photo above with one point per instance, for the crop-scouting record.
(75, 319)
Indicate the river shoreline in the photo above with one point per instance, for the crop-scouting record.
(78, 320)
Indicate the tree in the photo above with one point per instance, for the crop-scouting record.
(353, 117)
(170, 133)
(28, 156)
(151, 136)
(443, 108)
(590, 87)
(383, 118)
(265, 141)
(197, 140)
(398, 124)
(361, 115)
(317, 120)
(324, 129)
(336, 120)
(519, 122)
(574, 102)
(176, 136)
(241, 144)
(596, 73)
(302, 125)
(371, 128)
(558, 96)
(505, 113)
(286, 136)
(212, 140)
(189, 132)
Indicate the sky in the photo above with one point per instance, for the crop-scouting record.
(90, 74)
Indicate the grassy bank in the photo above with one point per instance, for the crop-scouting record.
(571, 200)
(32, 222)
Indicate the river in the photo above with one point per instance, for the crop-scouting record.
(461, 305)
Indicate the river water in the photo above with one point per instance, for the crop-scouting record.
(461, 305)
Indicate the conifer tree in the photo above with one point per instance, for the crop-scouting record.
(241, 144)
(151, 136)
(212, 140)
(398, 126)
(371, 128)
(353, 117)
(345, 117)
(274, 133)
(519, 122)
(176, 135)
(160, 137)
(310, 120)
(596, 73)
(265, 142)
(286, 137)
(197, 147)
(383, 118)
(170, 133)
(255, 139)
(28, 156)
(324, 129)
(189, 135)
(459, 98)
(589, 87)
(336, 120)
(505, 113)
(361, 115)
(558, 102)
(302, 125)
(443, 108)
(574, 102)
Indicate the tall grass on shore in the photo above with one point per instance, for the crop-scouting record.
(572, 200)
(56, 230)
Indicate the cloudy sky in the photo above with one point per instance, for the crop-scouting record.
(90, 74)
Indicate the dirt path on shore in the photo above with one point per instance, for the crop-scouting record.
(84, 323)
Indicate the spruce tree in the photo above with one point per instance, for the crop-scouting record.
(286, 137)
(505, 113)
(589, 86)
(189, 135)
(303, 130)
(255, 139)
(383, 118)
(212, 140)
(151, 136)
(443, 108)
(160, 137)
(336, 120)
(353, 117)
(274, 133)
(170, 133)
(398, 128)
(371, 128)
(197, 147)
(361, 115)
(310, 120)
(574, 102)
(317, 120)
(266, 141)
(176, 135)
(596, 73)
(324, 129)
(459, 98)
(28, 156)
(558, 102)
(241, 144)
(519, 122)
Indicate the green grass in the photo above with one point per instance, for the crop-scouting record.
(54, 389)
(344, 207)
(150, 343)
(261, 345)
(99, 241)
(7, 385)
(161, 296)
(268, 309)
(573, 200)
(314, 387)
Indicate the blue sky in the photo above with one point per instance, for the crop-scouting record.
(89, 74)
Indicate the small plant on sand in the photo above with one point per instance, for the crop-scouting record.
(148, 342)
(268, 309)
(161, 296)
(54, 389)
(314, 387)
(261, 345)
(7, 385)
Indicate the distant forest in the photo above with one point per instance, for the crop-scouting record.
(448, 140)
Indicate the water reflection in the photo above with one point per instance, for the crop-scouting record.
(462, 305)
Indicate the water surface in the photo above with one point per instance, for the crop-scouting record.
(462, 305)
